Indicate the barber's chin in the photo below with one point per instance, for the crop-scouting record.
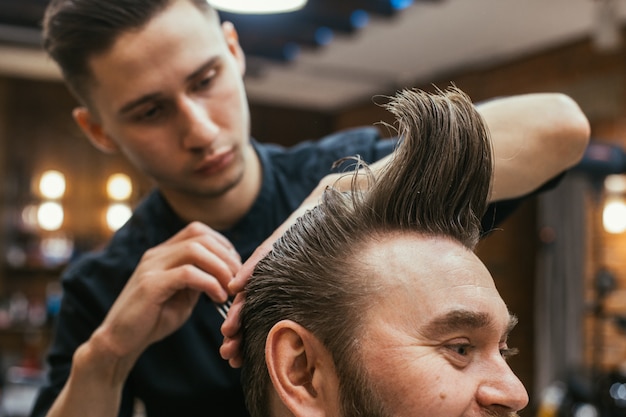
(229, 185)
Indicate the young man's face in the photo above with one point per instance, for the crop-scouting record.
(435, 344)
(170, 96)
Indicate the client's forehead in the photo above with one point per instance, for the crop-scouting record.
(405, 257)
(421, 276)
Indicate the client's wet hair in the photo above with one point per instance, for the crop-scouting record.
(437, 184)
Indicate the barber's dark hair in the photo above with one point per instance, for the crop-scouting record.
(437, 184)
(74, 31)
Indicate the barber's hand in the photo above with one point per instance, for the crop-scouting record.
(231, 328)
(231, 347)
(162, 292)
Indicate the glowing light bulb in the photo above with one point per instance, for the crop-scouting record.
(119, 187)
(117, 215)
(614, 216)
(52, 184)
(50, 216)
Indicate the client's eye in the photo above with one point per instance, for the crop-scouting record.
(507, 352)
(462, 349)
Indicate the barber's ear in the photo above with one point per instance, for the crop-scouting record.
(232, 40)
(94, 131)
(302, 371)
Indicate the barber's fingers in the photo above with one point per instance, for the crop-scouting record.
(232, 323)
(241, 278)
(154, 304)
(175, 289)
(184, 243)
(198, 228)
(213, 240)
(238, 283)
(193, 253)
(191, 277)
(212, 273)
(231, 329)
(231, 351)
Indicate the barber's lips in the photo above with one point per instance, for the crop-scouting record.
(216, 163)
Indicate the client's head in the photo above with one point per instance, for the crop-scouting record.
(374, 303)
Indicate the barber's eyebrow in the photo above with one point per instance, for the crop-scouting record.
(211, 62)
(152, 96)
(457, 320)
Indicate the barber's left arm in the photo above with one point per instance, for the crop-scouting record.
(535, 138)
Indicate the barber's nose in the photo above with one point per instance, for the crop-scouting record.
(502, 388)
(198, 129)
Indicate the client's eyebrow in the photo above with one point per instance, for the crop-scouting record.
(457, 320)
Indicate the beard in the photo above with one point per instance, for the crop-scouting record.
(218, 192)
(359, 397)
(228, 182)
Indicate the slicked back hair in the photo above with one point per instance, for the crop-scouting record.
(74, 31)
(437, 184)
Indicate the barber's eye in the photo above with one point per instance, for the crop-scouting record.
(148, 114)
(206, 81)
(151, 113)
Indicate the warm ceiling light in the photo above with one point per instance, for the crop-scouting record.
(258, 6)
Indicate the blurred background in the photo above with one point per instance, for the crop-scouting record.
(557, 261)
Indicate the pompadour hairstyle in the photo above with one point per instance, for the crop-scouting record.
(437, 184)
(74, 31)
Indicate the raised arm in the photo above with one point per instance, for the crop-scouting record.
(535, 137)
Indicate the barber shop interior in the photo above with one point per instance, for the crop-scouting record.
(111, 116)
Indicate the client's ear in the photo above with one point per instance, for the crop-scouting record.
(302, 371)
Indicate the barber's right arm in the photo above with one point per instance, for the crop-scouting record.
(158, 298)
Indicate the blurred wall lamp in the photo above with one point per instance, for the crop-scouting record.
(119, 190)
(614, 210)
(50, 213)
